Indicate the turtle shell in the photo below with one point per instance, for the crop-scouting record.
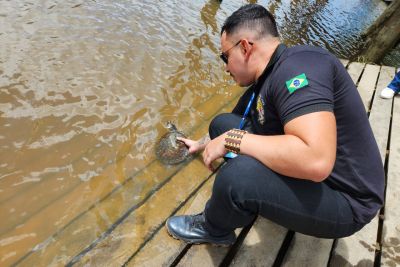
(171, 151)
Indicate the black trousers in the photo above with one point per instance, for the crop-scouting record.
(245, 188)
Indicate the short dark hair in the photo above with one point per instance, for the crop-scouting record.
(253, 17)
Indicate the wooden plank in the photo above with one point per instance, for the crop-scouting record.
(207, 110)
(116, 247)
(391, 223)
(205, 255)
(40, 197)
(77, 232)
(355, 69)
(379, 117)
(308, 251)
(366, 86)
(360, 247)
(127, 248)
(132, 192)
(344, 61)
(40, 159)
(261, 245)
(162, 249)
(42, 240)
(199, 255)
(37, 192)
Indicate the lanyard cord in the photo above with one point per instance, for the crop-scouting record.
(246, 111)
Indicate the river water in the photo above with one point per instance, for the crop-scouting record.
(86, 87)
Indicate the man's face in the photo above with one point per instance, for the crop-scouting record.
(237, 63)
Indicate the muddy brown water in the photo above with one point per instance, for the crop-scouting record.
(86, 87)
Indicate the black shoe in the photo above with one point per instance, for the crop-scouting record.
(191, 229)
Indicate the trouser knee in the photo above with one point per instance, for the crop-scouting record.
(220, 124)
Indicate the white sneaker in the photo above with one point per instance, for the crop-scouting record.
(387, 93)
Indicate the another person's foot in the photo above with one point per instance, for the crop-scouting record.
(191, 229)
(387, 93)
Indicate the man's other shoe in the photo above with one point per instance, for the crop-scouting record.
(387, 93)
(191, 229)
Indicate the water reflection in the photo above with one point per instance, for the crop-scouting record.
(85, 88)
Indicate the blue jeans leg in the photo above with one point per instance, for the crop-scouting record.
(395, 83)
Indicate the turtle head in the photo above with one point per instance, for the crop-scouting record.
(171, 126)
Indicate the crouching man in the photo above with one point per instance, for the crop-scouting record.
(306, 156)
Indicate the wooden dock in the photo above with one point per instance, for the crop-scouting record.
(134, 235)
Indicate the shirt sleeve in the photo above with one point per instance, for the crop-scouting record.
(304, 84)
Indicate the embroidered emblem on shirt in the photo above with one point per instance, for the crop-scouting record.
(297, 83)
(260, 110)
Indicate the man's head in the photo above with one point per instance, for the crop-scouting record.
(245, 36)
(251, 17)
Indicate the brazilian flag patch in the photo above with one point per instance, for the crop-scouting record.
(296, 83)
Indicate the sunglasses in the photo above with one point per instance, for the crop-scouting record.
(224, 55)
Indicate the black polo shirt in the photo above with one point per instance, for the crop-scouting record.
(304, 79)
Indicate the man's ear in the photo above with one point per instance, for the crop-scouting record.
(246, 48)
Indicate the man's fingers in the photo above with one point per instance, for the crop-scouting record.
(208, 165)
(182, 139)
(211, 168)
(207, 161)
(192, 150)
(188, 143)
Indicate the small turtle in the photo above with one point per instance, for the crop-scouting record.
(169, 150)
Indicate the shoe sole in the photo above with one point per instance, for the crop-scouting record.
(197, 242)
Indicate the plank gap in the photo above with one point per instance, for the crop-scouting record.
(236, 246)
(181, 255)
(284, 249)
(334, 244)
(379, 238)
(187, 247)
(123, 217)
(374, 91)
(360, 76)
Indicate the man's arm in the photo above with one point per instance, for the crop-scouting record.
(307, 150)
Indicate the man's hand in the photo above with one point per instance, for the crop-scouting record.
(214, 150)
(193, 146)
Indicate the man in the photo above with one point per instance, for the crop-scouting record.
(306, 159)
